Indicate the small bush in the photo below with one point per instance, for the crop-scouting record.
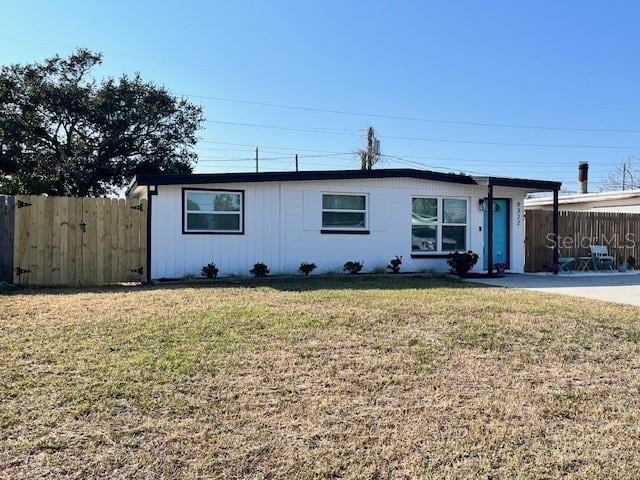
(379, 269)
(394, 265)
(210, 271)
(631, 262)
(353, 267)
(259, 270)
(306, 268)
(461, 262)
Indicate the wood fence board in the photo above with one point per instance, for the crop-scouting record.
(106, 239)
(22, 245)
(89, 245)
(63, 207)
(143, 239)
(122, 243)
(7, 229)
(35, 234)
(100, 239)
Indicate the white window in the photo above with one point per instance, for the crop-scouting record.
(213, 211)
(438, 224)
(344, 211)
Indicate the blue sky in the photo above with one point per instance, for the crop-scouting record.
(565, 65)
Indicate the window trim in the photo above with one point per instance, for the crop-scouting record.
(440, 251)
(347, 230)
(185, 231)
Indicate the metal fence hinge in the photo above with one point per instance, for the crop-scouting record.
(138, 270)
(21, 204)
(20, 271)
(137, 207)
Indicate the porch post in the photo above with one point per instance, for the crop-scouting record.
(490, 229)
(556, 247)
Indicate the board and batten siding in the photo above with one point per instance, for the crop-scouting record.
(282, 223)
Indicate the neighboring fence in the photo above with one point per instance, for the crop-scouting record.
(620, 232)
(6, 238)
(79, 241)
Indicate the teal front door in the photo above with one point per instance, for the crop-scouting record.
(500, 232)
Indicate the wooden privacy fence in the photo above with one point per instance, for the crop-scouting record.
(620, 232)
(79, 241)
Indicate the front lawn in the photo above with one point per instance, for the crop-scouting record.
(389, 377)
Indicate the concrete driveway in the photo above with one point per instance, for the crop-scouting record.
(619, 288)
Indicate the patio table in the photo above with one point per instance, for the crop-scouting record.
(585, 264)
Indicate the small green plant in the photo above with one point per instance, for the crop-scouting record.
(631, 262)
(306, 268)
(210, 270)
(461, 262)
(394, 265)
(353, 267)
(379, 269)
(259, 270)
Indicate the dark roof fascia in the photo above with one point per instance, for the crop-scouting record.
(132, 186)
(203, 178)
(524, 183)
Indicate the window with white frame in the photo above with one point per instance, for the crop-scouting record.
(213, 211)
(344, 211)
(438, 224)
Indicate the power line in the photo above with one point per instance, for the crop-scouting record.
(422, 139)
(570, 164)
(412, 119)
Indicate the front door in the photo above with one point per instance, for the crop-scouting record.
(500, 232)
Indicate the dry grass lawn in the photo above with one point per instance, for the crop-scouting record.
(390, 377)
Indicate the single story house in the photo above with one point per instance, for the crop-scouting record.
(329, 217)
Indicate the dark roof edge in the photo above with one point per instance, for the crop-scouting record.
(525, 183)
(204, 178)
(201, 178)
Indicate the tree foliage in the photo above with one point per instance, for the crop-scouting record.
(625, 176)
(64, 133)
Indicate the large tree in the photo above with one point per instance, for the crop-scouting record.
(64, 133)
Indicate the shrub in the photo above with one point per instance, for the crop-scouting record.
(461, 262)
(394, 265)
(306, 268)
(353, 267)
(379, 269)
(259, 270)
(631, 262)
(210, 270)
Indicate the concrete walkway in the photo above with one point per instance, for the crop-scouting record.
(619, 288)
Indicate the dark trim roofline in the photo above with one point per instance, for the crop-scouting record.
(206, 178)
(524, 183)
(202, 178)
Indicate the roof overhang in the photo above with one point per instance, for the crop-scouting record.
(527, 184)
(143, 180)
(204, 178)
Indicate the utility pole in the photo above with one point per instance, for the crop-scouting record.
(256, 159)
(370, 155)
(296, 162)
(624, 175)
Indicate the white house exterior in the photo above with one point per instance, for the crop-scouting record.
(328, 218)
